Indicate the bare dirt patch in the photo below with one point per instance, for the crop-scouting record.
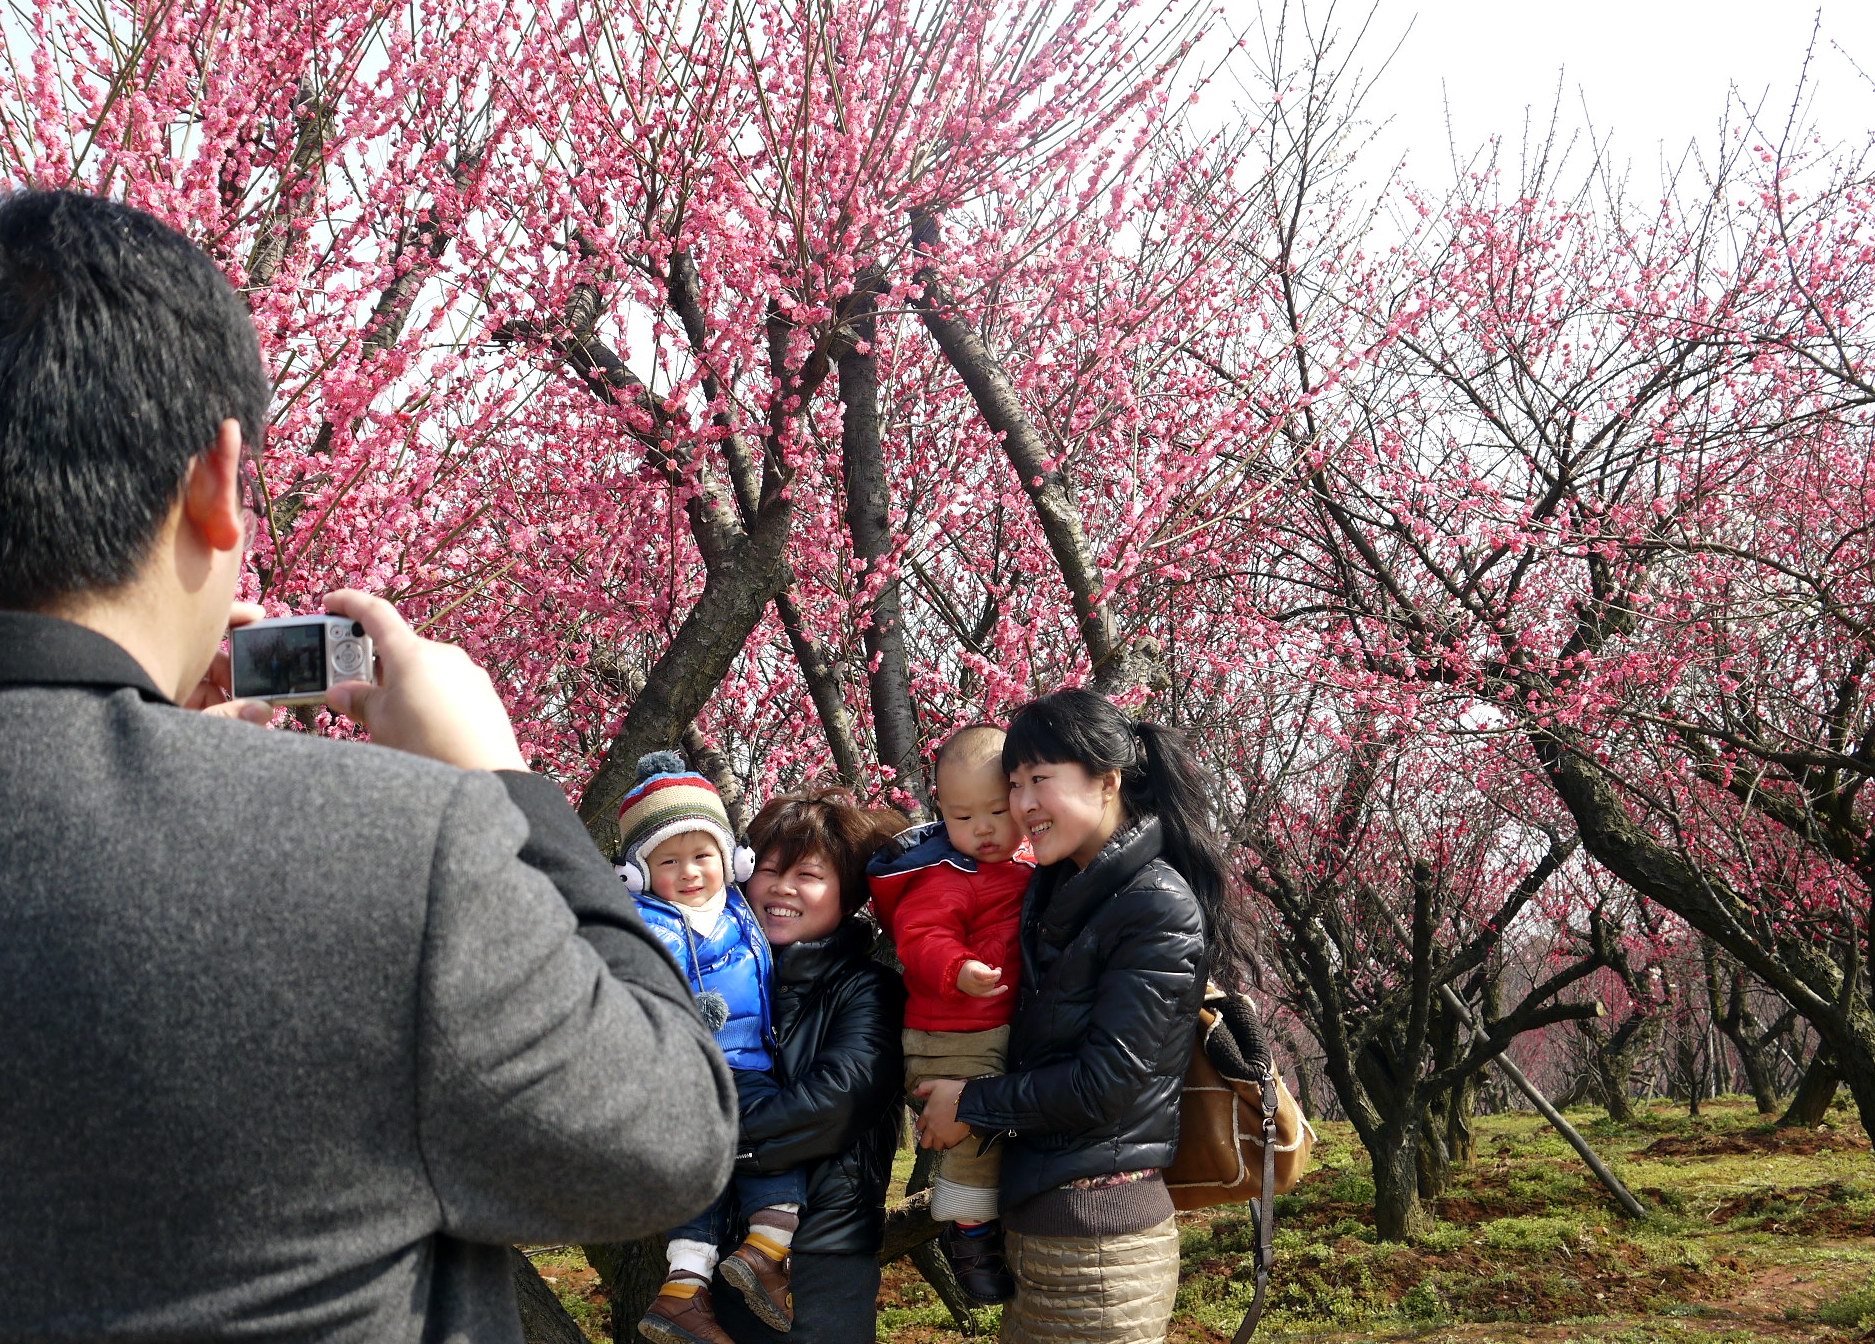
(1809, 1211)
(581, 1282)
(1482, 1206)
(1326, 1212)
(1741, 1142)
(1485, 1285)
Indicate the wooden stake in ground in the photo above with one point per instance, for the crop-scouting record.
(1623, 1196)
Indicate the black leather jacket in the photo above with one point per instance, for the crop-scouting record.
(1113, 969)
(837, 1016)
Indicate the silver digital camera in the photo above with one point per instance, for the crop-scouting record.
(295, 660)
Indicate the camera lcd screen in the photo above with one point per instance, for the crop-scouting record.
(277, 661)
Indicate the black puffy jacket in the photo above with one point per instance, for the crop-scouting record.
(837, 1016)
(1113, 967)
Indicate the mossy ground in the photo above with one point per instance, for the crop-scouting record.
(1758, 1235)
(577, 1286)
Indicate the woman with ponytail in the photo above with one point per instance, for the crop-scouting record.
(1123, 921)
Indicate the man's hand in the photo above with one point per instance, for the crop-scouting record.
(211, 694)
(980, 980)
(938, 1125)
(430, 699)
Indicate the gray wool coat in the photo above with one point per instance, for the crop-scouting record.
(296, 1035)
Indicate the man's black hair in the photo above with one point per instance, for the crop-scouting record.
(122, 349)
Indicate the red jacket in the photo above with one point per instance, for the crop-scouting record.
(944, 908)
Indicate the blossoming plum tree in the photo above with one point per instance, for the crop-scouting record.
(795, 381)
(1601, 495)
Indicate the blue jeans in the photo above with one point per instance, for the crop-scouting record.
(761, 1190)
(747, 1191)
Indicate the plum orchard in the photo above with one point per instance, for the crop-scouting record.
(794, 381)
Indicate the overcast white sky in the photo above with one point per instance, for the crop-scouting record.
(1651, 72)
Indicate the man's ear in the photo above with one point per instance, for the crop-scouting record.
(211, 497)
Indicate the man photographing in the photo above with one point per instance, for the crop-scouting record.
(295, 1035)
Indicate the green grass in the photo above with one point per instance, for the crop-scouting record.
(1755, 1236)
(1854, 1310)
(1531, 1247)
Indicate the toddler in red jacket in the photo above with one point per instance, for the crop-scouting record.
(950, 894)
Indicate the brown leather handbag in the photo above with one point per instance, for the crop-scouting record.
(1241, 1135)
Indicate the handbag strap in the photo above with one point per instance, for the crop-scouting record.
(1264, 1212)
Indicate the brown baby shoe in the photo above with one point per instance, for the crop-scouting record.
(759, 1270)
(682, 1313)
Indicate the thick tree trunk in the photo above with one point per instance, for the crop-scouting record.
(682, 680)
(631, 1272)
(1814, 1093)
(868, 511)
(1753, 1048)
(1434, 1165)
(1398, 1212)
(1446, 1124)
(1614, 1056)
(1612, 1061)
(1461, 1107)
(543, 1319)
(908, 1225)
(1758, 1079)
(741, 532)
(1727, 995)
(706, 760)
(1615, 1098)
(1858, 1071)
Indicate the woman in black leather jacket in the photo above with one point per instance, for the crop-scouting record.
(837, 1016)
(1120, 925)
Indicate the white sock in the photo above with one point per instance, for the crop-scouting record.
(693, 1257)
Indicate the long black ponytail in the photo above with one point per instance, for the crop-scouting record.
(1160, 777)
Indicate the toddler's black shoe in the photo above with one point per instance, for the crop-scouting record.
(978, 1262)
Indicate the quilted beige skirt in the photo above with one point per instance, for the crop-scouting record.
(1092, 1290)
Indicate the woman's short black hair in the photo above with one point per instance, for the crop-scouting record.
(122, 349)
(830, 823)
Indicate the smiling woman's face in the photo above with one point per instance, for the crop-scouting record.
(797, 904)
(1068, 811)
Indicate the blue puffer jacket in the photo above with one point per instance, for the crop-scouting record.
(734, 962)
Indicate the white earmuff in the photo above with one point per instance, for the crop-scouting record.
(634, 877)
(742, 864)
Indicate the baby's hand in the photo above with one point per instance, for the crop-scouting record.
(980, 980)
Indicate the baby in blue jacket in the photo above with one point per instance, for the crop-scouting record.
(677, 856)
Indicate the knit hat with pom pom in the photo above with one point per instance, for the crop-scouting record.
(669, 798)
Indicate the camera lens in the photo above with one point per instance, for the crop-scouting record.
(358, 629)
